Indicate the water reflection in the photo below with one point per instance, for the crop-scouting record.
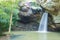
(15, 37)
(42, 36)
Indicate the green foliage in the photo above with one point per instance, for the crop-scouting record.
(6, 7)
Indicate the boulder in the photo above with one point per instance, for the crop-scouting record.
(52, 6)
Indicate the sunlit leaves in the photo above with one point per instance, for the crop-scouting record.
(6, 8)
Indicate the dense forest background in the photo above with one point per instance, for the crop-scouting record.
(8, 7)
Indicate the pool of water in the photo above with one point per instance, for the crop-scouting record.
(32, 35)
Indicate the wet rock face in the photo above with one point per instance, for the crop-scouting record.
(52, 6)
(28, 14)
(33, 26)
(27, 17)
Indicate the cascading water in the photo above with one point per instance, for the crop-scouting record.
(43, 23)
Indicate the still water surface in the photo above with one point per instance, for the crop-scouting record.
(26, 35)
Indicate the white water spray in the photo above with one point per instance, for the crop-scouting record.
(43, 23)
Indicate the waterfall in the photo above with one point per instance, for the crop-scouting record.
(43, 23)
